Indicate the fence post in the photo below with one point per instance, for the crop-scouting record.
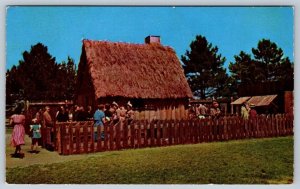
(98, 137)
(205, 129)
(171, 132)
(85, 138)
(118, 135)
(125, 136)
(226, 128)
(63, 142)
(132, 133)
(111, 136)
(165, 132)
(58, 138)
(152, 134)
(146, 127)
(210, 130)
(201, 130)
(196, 131)
(159, 134)
(138, 132)
(176, 130)
(105, 131)
(181, 132)
(143, 134)
(71, 144)
(187, 132)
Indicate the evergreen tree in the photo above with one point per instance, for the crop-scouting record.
(268, 65)
(203, 67)
(39, 77)
(245, 70)
(272, 61)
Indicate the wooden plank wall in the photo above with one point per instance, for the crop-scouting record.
(83, 137)
(166, 113)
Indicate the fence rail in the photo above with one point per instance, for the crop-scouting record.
(83, 137)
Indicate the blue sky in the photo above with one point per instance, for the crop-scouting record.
(62, 28)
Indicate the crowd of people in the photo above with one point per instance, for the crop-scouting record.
(201, 111)
(104, 114)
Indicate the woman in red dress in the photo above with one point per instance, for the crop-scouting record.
(17, 137)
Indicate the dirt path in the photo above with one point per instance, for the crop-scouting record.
(43, 157)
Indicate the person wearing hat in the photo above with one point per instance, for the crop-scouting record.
(129, 113)
(113, 110)
(245, 111)
(35, 128)
(215, 111)
(252, 112)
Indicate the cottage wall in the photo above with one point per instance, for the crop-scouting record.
(150, 109)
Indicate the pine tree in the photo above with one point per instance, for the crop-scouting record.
(39, 77)
(203, 67)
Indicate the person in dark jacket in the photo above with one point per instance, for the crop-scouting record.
(62, 115)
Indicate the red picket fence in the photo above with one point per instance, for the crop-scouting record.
(83, 137)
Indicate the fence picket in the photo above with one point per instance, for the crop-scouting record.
(159, 133)
(118, 135)
(146, 125)
(152, 134)
(105, 135)
(125, 136)
(133, 135)
(138, 133)
(171, 133)
(78, 137)
(85, 141)
(165, 132)
(176, 131)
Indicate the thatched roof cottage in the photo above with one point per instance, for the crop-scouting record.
(149, 75)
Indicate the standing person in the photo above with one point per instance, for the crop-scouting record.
(99, 119)
(191, 112)
(106, 111)
(202, 111)
(129, 113)
(82, 116)
(252, 112)
(62, 115)
(245, 111)
(89, 113)
(35, 128)
(48, 125)
(113, 110)
(215, 111)
(18, 134)
(39, 116)
(76, 112)
(121, 112)
(70, 114)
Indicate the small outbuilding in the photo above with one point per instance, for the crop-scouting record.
(148, 75)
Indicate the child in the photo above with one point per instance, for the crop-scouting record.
(35, 128)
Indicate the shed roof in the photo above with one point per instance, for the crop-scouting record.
(262, 100)
(240, 100)
(134, 70)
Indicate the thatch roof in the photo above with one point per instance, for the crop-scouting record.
(134, 70)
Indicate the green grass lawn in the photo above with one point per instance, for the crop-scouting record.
(255, 161)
